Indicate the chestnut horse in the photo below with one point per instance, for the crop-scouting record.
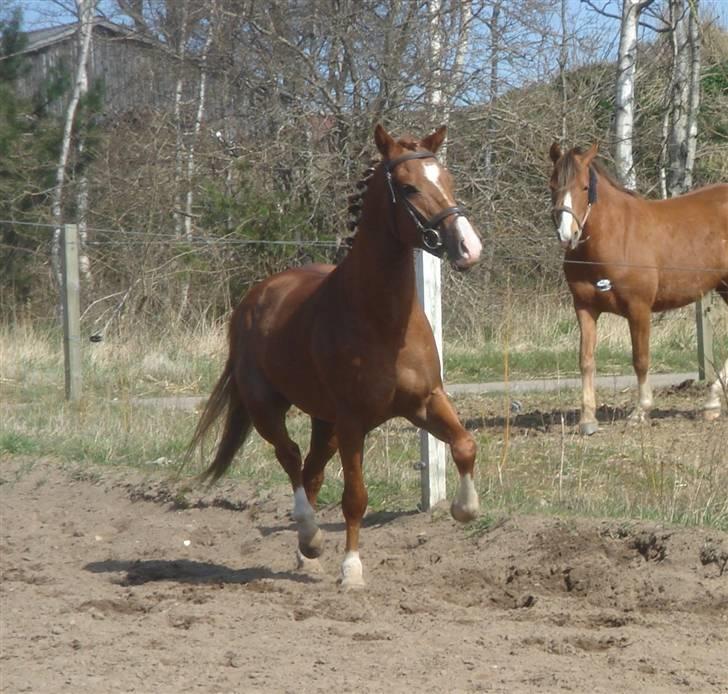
(632, 256)
(350, 346)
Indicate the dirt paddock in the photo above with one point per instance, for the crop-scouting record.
(108, 586)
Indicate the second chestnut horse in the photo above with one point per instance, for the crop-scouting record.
(631, 256)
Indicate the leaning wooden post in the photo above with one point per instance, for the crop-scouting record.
(706, 361)
(433, 452)
(71, 313)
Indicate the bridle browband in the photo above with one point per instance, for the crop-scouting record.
(431, 238)
(591, 200)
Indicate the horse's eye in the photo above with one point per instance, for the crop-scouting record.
(586, 187)
(408, 189)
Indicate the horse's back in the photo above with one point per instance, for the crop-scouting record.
(276, 299)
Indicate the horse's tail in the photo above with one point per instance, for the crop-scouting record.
(224, 398)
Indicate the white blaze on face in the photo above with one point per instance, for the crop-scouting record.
(566, 220)
(432, 174)
(468, 240)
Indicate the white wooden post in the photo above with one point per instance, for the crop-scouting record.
(71, 313)
(433, 452)
(706, 360)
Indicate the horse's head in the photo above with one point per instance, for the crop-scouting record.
(423, 206)
(573, 191)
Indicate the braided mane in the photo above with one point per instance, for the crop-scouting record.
(356, 199)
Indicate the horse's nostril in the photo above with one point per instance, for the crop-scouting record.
(464, 249)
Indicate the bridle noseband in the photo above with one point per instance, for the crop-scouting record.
(591, 200)
(431, 238)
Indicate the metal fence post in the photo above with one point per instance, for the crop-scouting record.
(71, 313)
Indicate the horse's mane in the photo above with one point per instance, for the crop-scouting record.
(568, 171)
(355, 200)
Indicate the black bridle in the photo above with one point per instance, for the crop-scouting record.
(591, 200)
(431, 238)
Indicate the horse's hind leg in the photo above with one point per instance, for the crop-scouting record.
(269, 419)
(323, 446)
(719, 388)
(717, 391)
(442, 421)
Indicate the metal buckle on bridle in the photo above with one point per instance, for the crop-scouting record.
(431, 239)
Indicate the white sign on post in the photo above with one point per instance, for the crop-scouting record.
(433, 452)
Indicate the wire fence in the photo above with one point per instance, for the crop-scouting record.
(516, 295)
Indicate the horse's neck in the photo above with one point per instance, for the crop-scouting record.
(602, 223)
(379, 269)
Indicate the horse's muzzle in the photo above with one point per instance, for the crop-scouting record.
(466, 249)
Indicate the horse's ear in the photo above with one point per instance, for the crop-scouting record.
(555, 152)
(591, 153)
(384, 141)
(433, 141)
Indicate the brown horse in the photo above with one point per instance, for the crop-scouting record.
(632, 256)
(350, 346)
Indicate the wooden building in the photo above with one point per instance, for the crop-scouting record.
(137, 72)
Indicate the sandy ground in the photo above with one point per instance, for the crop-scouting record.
(108, 586)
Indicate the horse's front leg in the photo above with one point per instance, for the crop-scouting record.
(587, 318)
(639, 328)
(440, 419)
(350, 436)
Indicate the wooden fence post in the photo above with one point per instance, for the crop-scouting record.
(433, 452)
(706, 361)
(71, 313)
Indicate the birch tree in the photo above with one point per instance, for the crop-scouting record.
(86, 11)
(625, 87)
(681, 119)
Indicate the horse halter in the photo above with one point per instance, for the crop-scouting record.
(591, 200)
(431, 238)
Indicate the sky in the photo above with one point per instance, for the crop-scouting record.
(39, 14)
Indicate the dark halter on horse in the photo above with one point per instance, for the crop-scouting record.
(431, 238)
(591, 200)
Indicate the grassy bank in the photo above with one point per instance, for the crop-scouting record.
(530, 343)
(674, 468)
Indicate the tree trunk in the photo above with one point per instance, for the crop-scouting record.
(86, 11)
(624, 97)
(179, 153)
(685, 97)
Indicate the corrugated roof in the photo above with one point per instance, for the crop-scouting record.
(40, 38)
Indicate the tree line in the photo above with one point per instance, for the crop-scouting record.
(269, 123)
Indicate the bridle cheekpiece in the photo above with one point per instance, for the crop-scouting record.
(431, 237)
(591, 200)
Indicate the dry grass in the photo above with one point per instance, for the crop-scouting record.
(674, 469)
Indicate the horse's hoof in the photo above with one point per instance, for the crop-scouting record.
(710, 414)
(638, 417)
(588, 428)
(352, 575)
(347, 583)
(304, 563)
(464, 514)
(314, 547)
